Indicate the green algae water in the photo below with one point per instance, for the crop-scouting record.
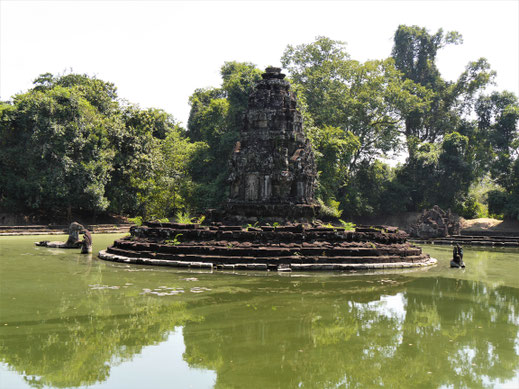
(69, 320)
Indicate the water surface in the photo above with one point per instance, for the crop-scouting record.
(71, 320)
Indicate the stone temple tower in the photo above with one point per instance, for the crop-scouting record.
(273, 173)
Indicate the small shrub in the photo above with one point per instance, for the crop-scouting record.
(348, 226)
(186, 218)
(136, 220)
(183, 217)
(330, 210)
(175, 241)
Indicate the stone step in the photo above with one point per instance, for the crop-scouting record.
(215, 259)
(491, 234)
(479, 238)
(61, 229)
(424, 261)
(261, 251)
(205, 234)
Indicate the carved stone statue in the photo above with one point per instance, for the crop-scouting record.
(86, 243)
(457, 257)
(72, 242)
(73, 234)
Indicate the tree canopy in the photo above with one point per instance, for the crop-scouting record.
(71, 144)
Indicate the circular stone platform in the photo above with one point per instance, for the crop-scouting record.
(283, 248)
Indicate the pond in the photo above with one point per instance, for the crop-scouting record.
(71, 320)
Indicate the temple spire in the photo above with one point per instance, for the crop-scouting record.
(273, 171)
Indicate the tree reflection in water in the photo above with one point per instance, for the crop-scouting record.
(315, 332)
(79, 350)
(427, 333)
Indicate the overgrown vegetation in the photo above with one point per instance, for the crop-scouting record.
(70, 144)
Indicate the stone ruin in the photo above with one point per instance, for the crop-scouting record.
(435, 223)
(273, 173)
(272, 180)
(285, 248)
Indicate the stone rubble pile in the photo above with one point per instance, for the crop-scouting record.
(435, 223)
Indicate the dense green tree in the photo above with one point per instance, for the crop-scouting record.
(207, 123)
(454, 171)
(367, 99)
(333, 150)
(439, 173)
(414, 53)
(149, 175)
(172, 187)
(207, 115)
(69, 144)
(238, 80)
(215, 118)
(363, 102)
(55, 148)
(101, 94)
(365, 195)
(136, 159)
(498, 118)
(446, 150)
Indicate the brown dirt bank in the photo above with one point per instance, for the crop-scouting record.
(490, 225)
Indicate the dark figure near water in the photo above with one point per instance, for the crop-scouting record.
(457, 257)
(72, 242)
(86, 243)
(73, 235)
